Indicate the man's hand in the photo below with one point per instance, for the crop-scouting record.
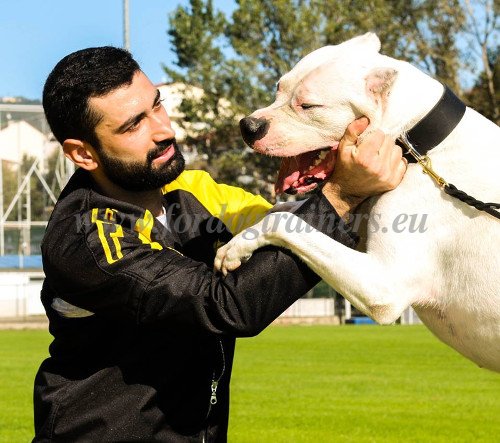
(372, 167)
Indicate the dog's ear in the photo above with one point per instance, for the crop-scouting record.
(379, 82)
(368, 41)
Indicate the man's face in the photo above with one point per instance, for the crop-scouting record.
(137, 149)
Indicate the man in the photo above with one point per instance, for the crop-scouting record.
(143, 329)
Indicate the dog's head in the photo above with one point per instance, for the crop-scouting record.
(315, 102)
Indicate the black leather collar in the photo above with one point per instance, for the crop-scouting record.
(436, 125)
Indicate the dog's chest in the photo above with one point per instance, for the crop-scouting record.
(472, 333)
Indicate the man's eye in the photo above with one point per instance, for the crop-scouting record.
(134, 126)
(158, 103)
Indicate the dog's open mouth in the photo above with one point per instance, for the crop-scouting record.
(303, 172)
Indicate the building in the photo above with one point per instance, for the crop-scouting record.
(20, 139)
(172, 95)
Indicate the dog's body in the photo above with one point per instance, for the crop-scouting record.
(446, 264)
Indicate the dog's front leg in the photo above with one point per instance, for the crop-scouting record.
(230, 256)
(377, 288)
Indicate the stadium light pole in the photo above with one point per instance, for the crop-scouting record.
(126, 36)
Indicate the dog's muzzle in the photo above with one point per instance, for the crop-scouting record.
(253, 129)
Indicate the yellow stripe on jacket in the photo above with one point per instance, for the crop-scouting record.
(237, 208)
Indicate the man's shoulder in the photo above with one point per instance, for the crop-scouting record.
(233, 205)
(190, 179)
(200, 185)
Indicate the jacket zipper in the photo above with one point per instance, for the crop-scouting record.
(213, 386)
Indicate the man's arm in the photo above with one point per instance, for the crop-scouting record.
(161, 287)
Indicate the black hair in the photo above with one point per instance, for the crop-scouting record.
(91, 72)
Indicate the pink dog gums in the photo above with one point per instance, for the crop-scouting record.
(302, 173)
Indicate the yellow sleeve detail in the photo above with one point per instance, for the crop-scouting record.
(113, 250)
(143, 227)
(110, 232)
(237, 208)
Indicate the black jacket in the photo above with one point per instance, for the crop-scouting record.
(151, 359)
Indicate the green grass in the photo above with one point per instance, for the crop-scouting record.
(316, 384)
(21, 352)
(359, 384)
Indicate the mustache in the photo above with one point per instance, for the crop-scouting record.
(160, 147)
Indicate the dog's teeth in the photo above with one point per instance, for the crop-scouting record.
(320, 158)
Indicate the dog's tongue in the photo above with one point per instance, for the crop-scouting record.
(300, 174)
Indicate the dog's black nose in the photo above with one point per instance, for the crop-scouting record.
(253, 129)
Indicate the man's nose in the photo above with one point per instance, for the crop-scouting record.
(162, 128)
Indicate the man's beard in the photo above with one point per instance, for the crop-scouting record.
(140, 177)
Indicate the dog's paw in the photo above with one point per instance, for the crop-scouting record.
(230, 256)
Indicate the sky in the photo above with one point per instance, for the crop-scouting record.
(36, 34)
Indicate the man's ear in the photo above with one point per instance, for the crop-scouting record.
(80, 153)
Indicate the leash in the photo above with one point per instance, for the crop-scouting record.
(425, 162)
(448, 112)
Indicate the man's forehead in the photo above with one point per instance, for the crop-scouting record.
(126, 100)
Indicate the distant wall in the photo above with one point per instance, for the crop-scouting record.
(20, 294)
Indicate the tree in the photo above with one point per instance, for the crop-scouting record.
(479, 96)
(482, 33)
(196, 36)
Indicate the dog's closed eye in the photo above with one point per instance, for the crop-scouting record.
(309, 106)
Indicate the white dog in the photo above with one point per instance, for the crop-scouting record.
(445, 260)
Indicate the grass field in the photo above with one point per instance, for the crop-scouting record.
(317, 384)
